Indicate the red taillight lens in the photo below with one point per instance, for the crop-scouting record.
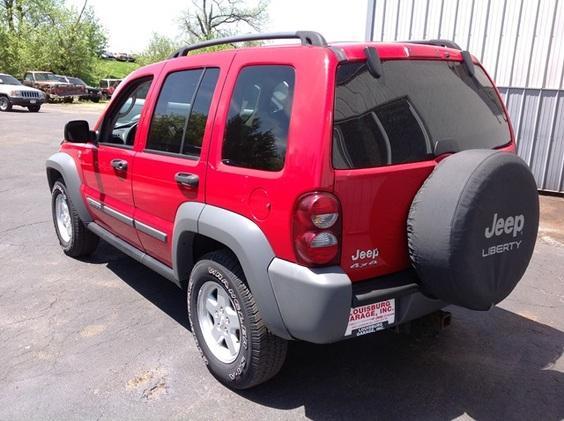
(317, 229)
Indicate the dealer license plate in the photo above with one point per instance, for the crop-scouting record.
(371, 318)
(32, 101)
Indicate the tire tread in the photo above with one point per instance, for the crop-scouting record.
(268, 352)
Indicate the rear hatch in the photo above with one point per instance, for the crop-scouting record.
(388, 135)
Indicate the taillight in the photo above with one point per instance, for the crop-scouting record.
(317, 229)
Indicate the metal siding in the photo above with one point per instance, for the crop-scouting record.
(521, 44)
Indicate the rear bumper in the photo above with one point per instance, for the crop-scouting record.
(315, 304)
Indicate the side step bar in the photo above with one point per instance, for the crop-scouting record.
(133, 252)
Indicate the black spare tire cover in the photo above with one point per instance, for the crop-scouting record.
(472, 227)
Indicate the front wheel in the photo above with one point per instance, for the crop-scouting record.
(5, 104)
(74, 237)
(234, 342)
(34, 108)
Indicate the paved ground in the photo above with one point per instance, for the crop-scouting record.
(108, 339)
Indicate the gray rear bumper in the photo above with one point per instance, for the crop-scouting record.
(315, 303)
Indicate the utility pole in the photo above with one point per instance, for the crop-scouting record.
(370, 15)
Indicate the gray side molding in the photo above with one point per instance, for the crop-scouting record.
(133, 252)
(255, 254)
(65, 165)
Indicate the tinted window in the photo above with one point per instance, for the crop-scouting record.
(416, 110)
(259, 118)
(181, 113)
(172, 111)
(199, 114)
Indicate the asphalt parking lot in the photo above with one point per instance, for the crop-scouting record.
(106, 338)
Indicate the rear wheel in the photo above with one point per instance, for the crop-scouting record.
(74, 237)
(234, 342)
(5, 104)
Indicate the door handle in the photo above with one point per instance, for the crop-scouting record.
(187, 180)
(119, 164)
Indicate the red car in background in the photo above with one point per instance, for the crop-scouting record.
(108, 86)
(55, 88)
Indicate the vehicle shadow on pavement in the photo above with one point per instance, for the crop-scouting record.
(158, 290)
(491, 366)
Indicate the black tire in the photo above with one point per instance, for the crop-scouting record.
(34, 108)
(82, 242)
(96, 99)
(5, 104)
(261, 354)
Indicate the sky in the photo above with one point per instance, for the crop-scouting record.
(129, 24)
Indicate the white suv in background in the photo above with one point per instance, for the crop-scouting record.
(12, 92)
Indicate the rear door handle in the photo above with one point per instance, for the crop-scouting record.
(119, 164)
(187, 180)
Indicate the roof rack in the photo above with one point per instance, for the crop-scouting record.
(439, 42)
(306, 38)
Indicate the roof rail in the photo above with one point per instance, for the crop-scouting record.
(306, 38)
(439, 42)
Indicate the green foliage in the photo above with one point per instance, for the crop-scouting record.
(47, 35)
(159, 48)
(111, 69)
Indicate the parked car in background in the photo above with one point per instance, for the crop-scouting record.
(122, 57)
(106, 55)
(12, 92)
(56, 89)
(108, 86)
(91, 93)
(78, 89)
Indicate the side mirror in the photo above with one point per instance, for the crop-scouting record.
(78, 131)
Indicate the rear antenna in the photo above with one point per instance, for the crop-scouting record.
(468, 63)
(373, 62)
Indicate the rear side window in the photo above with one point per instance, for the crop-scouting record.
(256, 135)
(181, 113)
(416, 110)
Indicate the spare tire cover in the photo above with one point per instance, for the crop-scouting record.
(472, 227)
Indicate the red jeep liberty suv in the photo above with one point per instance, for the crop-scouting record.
(306, 191)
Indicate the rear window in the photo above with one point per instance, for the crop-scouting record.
(418, 109)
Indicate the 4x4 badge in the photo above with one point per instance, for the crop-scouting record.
(364, 258)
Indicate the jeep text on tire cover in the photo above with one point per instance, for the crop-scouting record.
(303, 192)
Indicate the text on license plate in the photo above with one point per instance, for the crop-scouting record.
(32, 101)
(371, 318)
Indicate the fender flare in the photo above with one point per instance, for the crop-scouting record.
(245, 239)
(66, 166)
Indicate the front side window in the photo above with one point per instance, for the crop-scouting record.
(181, 113)
(416, 110)
(120, 125)
(256, 135)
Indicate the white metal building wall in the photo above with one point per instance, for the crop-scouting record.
(520, 43)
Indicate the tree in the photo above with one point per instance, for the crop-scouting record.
(47, 35)
(209, 19)
(159, 48)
